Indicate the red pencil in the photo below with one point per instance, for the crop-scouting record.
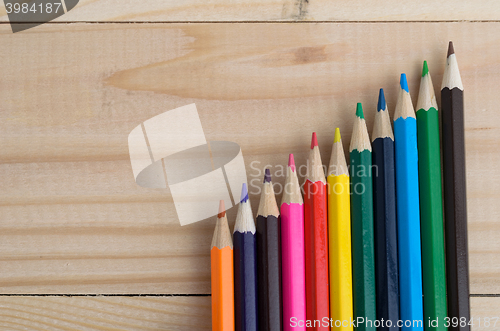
(316, 242)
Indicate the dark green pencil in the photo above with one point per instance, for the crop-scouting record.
(363, 256)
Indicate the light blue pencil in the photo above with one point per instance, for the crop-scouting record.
(408, 212)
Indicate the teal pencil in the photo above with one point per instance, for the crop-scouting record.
(363, 254)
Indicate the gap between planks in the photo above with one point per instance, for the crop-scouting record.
(251, 22)
(167, 295)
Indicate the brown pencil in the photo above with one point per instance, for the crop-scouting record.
(455, 200)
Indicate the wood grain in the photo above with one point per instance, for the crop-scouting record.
(482, 308)
(104, 313)
(277, 10)
(142, 313)
(72, 220)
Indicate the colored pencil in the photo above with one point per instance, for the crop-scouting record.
(408, 208)
(222, 280)
(431, 204)
(339, 226)
(245, 267)
(316, 240)
(292, 250)
(363, 255)
(384, 210)
(269, 259)
(455, 200)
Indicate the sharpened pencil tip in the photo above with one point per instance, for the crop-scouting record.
(404, 83)
(314, 140)
(336, 139)
(359, 110)
(222, 209)
(425, 69)
(244, 193)
(381, 100)
(291, 162)
(267, 176)
(451, 50)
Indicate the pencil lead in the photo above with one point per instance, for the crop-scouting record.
(451, 76)
(314, 140)
(382, 123)
(267, 176)
(404, 83)
(381, 100)
(222, 209)
(336, 139)
(451, 50)
(337, 165)
(291, 162)
(359, 110)
(425, 69)
(244, 193)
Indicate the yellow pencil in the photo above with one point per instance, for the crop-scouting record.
(339, 225)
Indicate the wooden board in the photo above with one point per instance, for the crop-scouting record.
(145, 313)
(105, 313)
(72, 220)
(278, 10)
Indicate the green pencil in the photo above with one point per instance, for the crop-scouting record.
(363, 255)
(431, 209)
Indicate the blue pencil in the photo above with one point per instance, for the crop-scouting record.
(245, 267)
(408, 212)
(384, 212)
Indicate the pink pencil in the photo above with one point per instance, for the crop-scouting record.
(292, 253)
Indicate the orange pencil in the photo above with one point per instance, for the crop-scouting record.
(222, 275)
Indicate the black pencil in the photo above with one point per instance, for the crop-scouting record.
(455, 201)
(269, 259)
(384, 212)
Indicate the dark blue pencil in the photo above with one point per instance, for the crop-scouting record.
(245, 267)
(384, 212)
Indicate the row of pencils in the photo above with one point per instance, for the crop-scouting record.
(367, 241)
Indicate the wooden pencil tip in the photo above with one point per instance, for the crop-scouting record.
(222, 209)
(314, 140)
(267, 176)
(291, 162)
(336, 139)
(404, 83)
(244, 193)
(359, 110)
(451, 50)
(381, 100)
(425, 69)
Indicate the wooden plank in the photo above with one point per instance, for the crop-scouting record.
(105, 313)
(484, 312)
(72, 220)
(145, 313)
(277, 10)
